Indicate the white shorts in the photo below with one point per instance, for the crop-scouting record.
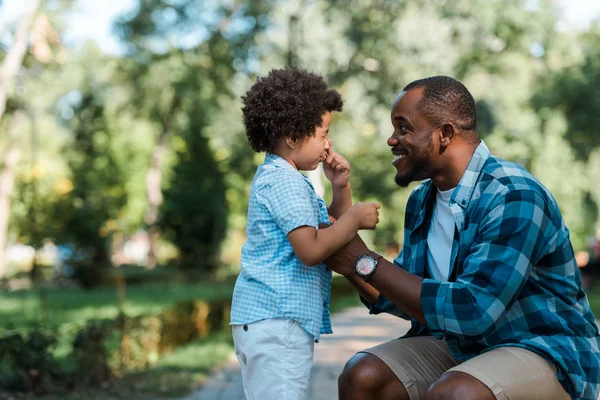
(276, 357)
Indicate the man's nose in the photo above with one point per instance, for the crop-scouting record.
(393, 140)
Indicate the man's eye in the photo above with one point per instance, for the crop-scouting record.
(403, 129)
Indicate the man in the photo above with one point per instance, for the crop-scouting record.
(487, 274)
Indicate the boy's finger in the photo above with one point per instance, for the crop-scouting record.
(332, 152)
(330, 157)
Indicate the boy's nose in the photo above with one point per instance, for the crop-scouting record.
(327, 144)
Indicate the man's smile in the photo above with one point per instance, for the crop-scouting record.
(398, 155)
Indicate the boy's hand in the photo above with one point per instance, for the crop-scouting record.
(337, 169)
(366, 214)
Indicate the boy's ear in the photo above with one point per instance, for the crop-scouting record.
(292, 143)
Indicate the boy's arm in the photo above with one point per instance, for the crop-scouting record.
(312, 245)
(342, 200)
(337, 171)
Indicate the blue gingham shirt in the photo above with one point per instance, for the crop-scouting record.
(513, 280)
(273, 282)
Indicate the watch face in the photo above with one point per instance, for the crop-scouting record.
(365, 265)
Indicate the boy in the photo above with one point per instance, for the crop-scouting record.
(280, 302)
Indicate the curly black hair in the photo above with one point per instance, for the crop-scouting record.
(289, 102)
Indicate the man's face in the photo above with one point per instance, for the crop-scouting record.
(412, 139)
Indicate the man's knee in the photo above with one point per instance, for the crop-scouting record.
(458, 386)
(367, 377)
(362, 370)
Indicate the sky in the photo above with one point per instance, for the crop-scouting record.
(92, 19)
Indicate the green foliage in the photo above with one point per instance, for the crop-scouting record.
(88, 211)
(91, 355)
(139, 342)
(574, 91)
(26, 361)
(187, 62)
(194, 212)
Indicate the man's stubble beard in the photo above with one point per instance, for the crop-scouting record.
(415, 171)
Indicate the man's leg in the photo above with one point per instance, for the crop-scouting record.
(459, 386)
(400, 369)
(503, 373)
(367, 377)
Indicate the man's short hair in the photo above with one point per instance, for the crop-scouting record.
(446, 100)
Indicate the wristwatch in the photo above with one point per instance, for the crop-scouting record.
(366, 265)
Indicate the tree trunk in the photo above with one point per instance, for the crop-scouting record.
(14, 57)
(8, 72)
(7, 178)
(155, 197)
(154, 183)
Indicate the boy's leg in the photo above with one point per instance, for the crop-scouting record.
(513, 373)
(276, 357)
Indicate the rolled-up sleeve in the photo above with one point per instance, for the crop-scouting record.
(499, 262)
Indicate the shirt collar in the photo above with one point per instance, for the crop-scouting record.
(466, 185)
(463, 191)
(279, 162)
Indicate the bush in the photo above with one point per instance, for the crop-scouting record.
(90, 353)
(27, 362)
(103, 349)
(139, 342)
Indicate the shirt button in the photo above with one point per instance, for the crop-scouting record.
(320, 205)
(246, 328)
(324, 304)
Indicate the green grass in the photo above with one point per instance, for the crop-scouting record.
(21, 309)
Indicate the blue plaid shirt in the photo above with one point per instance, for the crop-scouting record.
(513, 280)
(273, 282)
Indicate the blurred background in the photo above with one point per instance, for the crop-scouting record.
(125, 170)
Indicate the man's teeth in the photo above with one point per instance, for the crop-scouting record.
(396, 158)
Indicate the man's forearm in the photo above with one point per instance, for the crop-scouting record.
(402, 288)
(368, 292)
(342, 200)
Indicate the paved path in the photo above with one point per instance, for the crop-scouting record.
(354, 330)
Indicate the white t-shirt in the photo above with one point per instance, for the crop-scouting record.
(440, 237)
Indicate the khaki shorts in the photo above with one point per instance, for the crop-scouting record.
(509, 372)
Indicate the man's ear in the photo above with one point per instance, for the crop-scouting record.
(447, 132)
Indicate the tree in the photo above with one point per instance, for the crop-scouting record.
(574, 92)
(180, 53)
(88, 212)
(194, 213)
(8, 73)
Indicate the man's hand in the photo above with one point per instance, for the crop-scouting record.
(344, 260)
(337, 169)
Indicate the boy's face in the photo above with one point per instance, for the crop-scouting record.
(314, 148)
